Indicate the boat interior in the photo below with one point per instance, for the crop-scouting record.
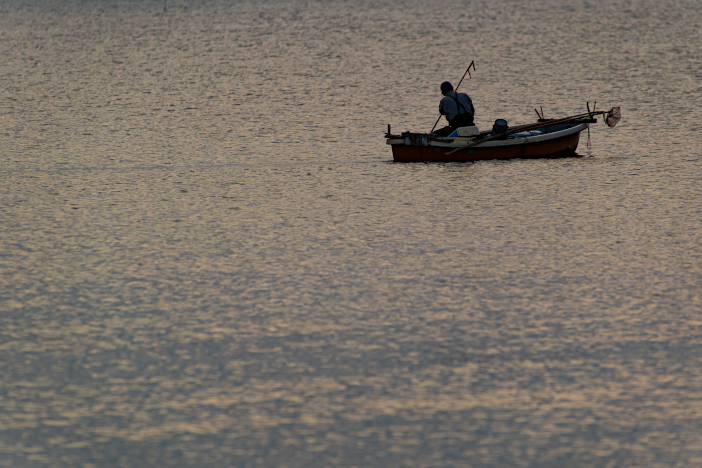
(473, 132)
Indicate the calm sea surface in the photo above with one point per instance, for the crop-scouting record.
(208, 258)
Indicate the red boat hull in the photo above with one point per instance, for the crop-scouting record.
(536, 149)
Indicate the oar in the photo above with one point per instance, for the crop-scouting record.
(472, 64)
(614, 112)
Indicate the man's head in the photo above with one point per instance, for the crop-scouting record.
(446, 87)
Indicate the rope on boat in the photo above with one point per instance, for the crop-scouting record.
(589, 145)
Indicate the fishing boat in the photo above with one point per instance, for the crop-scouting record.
(545, 138)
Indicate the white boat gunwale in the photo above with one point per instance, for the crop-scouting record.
(458, 142)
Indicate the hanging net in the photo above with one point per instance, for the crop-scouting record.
(613, 116)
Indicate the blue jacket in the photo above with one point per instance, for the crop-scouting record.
(450, 108)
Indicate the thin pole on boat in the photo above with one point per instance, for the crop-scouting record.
(435, 124)
(472, 64)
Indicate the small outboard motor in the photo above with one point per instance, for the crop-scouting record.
(500, 127)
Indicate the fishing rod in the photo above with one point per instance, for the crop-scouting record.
(472, 64)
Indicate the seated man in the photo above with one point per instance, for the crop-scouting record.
(457, 108)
